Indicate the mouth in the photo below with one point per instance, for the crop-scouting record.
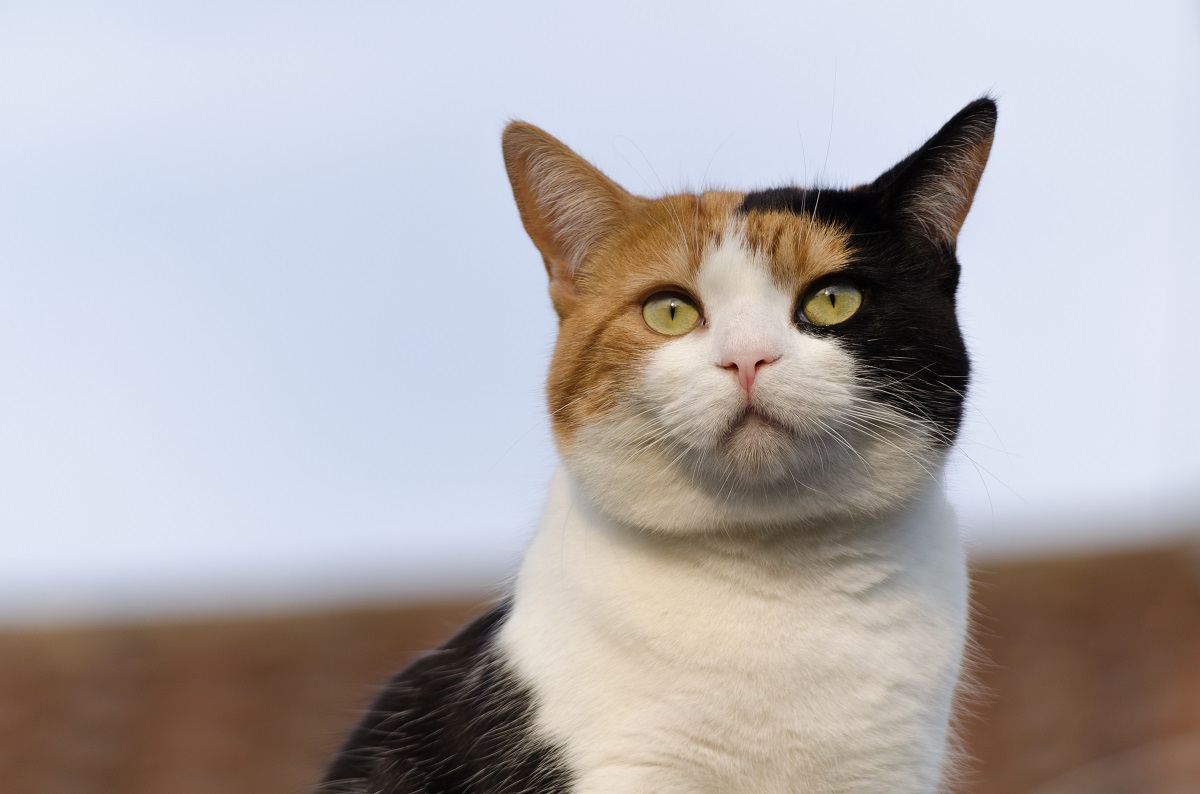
(757, 447)
(753, 421)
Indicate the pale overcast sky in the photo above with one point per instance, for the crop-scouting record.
(271, 333)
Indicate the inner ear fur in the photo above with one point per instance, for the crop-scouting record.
(931, 190)
(567, 206)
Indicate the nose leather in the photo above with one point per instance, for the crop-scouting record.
(745, 364)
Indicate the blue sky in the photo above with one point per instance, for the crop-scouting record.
(271, 333)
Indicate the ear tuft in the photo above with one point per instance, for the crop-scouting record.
(932, 189)
(566, 204)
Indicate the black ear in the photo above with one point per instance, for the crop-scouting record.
(932, 189)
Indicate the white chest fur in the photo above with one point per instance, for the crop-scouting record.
(818, 662)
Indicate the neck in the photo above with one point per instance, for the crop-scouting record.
(847, 635)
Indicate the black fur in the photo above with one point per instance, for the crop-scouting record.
(906, 334)
(454, 722)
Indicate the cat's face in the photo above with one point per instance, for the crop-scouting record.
(728, 360)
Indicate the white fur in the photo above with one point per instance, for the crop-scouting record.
(712, 605)
(806, 662)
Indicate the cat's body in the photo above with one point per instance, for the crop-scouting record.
(747, 578)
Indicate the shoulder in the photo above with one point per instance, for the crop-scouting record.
(455, 717)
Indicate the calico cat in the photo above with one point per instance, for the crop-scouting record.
(747, 578)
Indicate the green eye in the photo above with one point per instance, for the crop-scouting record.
(670, 313)
(832, 303)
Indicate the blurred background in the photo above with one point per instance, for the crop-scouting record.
(272, 344)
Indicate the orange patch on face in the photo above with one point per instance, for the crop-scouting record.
(603, 340)
(799, 248)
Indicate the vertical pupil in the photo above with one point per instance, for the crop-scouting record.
(832, 298)
(672, 310)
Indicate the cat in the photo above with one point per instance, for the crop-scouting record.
(747, 578)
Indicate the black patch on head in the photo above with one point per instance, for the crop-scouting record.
(906, 337)
(455, 721)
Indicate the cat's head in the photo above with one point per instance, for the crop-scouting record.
(752, 359)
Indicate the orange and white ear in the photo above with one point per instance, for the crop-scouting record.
(568, 206)
(932, 189)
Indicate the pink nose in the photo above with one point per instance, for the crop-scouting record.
(746, 365)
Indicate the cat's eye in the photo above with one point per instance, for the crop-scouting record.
(670, 313)
(831, 303)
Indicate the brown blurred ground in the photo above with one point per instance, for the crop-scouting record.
(1093, 687)
(1093, 679)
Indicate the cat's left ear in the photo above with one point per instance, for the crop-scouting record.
(931, 190)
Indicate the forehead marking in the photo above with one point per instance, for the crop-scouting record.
(736, 286)
(798, 248)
